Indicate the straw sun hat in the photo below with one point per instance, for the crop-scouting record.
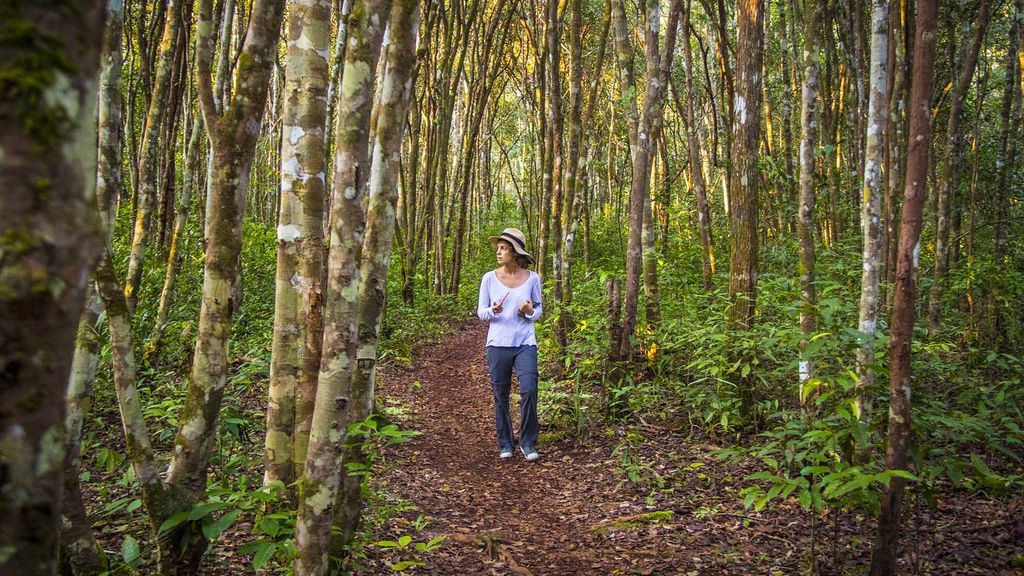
(516, 238)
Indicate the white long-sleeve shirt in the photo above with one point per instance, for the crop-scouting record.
(509, 328)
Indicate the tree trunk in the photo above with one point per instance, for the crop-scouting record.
(805, 215)
(79, 551)
(396, 93)
(951, 169)
(175, 254)
(642, 130)
(883, 559)
(49, 247)
(743, 188)
(332, 414)
(150, 153)
(1009, 123)
(299, 232)
(871, 205)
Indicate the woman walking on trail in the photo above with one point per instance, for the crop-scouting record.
(510, 300)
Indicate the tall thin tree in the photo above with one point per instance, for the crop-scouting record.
(883, 559)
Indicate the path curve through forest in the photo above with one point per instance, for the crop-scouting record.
(498, 516)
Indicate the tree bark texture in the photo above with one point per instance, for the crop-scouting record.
(743, 176)
(883, 560)
(395, 95)
(299, 236)
(871, 203)
(808, 193)
(951, 168)
(332, 411)
(51, 238)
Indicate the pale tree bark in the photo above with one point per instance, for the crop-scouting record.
(694, 158)
(51, 238)
(743, 188)
(299, 235)
(233, 139)
(80, 554)
(573, 171)
(642, 130)
(883, 559)
(393, 106)
(895, 129)
(951, 168)
(331, 414)
(808, 195)
(871, 204)
(149, 156)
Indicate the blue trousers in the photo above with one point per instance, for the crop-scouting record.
(502, 361)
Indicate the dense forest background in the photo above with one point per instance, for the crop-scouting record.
(788, 230)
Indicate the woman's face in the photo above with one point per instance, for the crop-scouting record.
(504, 253)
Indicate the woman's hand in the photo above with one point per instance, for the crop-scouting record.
(526, 308)
(496, 308)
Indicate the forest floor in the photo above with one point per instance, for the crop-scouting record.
(575, 511)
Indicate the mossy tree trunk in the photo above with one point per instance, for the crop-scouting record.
(332, 414)
(871, 204)
(49, 242)
(395, 95)
(299, 240)
(809, 119)
(80, 553)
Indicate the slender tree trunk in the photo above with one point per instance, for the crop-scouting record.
(696, 164)
(80, 553)
(805, 215)
(149, 156)
(883, 560)
(643, 130)
(299, 231)
(951, 168)
(396, 93)
(49, 247)
(333, 410)
(175, 254)
(871, 205)
(1009, 124)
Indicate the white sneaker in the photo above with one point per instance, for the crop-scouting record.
(506, 453)
(529, 453)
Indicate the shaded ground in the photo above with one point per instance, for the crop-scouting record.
(577, 512)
